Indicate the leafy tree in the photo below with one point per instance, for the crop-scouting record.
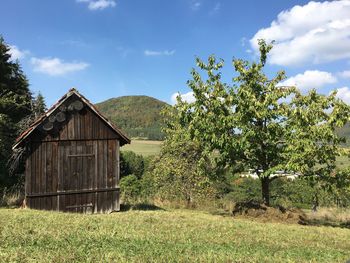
(15, 104)
(313, 141)
(131, 163)
(182, 171)
(252, 123)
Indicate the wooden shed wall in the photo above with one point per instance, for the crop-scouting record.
(82, 125)
(75, 166)
(76, 176)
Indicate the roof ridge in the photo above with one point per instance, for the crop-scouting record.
(45, 115)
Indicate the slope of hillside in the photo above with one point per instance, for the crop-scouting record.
(137, 116)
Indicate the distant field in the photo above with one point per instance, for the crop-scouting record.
(343, 162)
(163, 236)
(146, 148)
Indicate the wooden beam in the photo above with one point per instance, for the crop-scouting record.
(71, 192)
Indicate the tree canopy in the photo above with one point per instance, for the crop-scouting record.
(15, 104)
(260, 125)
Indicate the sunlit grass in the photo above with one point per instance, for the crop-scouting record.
(143, 147)
(163, 236)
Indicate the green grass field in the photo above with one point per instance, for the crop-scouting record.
(143, 147)
(342, 162)
(162, 236)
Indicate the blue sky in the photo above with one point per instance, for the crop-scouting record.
(111, 48)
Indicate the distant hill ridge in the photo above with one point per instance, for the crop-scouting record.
(137, 116)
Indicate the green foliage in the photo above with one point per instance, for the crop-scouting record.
(260, 125)
(138, 116)
(245, 189)
(313, 144)
(183, 171)
(130, 188)
(135, 185)
(15, 104)
(288, 193)
(39, 105)
(131, 163)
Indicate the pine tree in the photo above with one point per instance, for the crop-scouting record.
(15, 104)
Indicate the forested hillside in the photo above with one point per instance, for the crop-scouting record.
(137, 116)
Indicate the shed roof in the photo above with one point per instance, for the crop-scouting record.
(43, 117)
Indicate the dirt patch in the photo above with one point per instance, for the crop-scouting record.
(265, 213)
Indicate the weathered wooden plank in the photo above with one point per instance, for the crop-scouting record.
(48, 174)
(96, 171)
(82, 154)
(110, 174)
(116, 176)
(110, 163)
(64, 130)
(54, 173)
(28, 175)
(88, 125)
(73, 192)
(33, 173)
(64, 177)
(100, 176)
(118, 162)
(79, 172)
(73, 174)
(39, 167)
(70, 126)
(77, 131)
(105, 175)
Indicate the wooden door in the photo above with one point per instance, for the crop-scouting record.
(77, 170)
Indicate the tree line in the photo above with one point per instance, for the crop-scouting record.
(18, 108)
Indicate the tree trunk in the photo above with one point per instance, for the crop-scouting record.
(265, 190)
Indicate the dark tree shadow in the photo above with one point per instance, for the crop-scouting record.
(140, 207)
(324, 222)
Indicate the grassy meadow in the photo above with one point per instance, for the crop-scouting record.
(163, 236)
(143, 147)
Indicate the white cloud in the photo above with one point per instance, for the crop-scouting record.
(344, 94)
(215, 9)
(159, 53)
(345, 74)
(314, 33)
(310, 79)
(195, 5)
(185, 97)
(98, 4)
(16, 53)
(56, 66)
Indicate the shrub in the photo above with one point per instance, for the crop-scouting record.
(130, 188)
(131, 163)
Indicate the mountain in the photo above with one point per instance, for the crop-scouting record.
(137, 116)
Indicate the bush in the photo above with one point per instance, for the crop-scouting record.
(11, 197)
(130, 189)
(287, 193)
(131, 163)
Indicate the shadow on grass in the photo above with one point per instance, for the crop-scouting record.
(140, 207)
(323, 222)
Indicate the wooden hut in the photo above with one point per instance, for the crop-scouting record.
(72, 158)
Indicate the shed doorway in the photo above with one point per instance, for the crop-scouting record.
(77, 176)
